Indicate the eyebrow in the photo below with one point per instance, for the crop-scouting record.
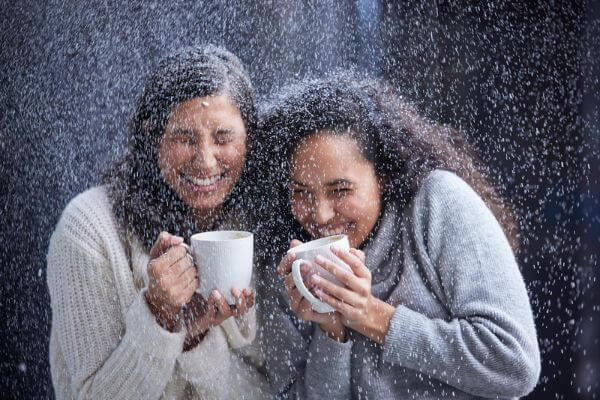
(334, 182)
(181, 131)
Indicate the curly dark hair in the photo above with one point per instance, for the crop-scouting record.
(402, 145)
(143, 203)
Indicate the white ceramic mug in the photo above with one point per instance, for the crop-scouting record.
(224, 261)
(306, 254)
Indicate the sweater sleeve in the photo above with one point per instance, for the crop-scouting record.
(107, 355)
(219, 372)
(302, 362)
(487, 346)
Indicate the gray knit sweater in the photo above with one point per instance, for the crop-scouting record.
(463, 326)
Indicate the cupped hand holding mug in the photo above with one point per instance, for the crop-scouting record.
(352, 297)
(329, 322)
(172, 277)
(201, 314)
(224, 261)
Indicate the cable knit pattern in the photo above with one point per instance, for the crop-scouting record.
(463, 326)
(105, 342)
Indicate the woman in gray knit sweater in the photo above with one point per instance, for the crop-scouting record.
(435, 305)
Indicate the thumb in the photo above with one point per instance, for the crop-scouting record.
(294, 243)
(163, 242)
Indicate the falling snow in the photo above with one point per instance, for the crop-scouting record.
(520, 79)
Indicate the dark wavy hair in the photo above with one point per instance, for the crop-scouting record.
(402, 145)
(143, 203)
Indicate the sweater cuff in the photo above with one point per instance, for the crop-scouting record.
(141, 326)
(209, 360)
(328, 362)
(401, 345)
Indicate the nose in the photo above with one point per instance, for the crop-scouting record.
(322, 211)
(205, 156)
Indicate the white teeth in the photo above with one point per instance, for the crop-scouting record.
(204, 182)
(332, 232)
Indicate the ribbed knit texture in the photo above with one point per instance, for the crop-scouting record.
(463, 326)
(105, 342)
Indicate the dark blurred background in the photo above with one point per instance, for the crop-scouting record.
(521, 78)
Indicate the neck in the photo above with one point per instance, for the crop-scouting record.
(206, 219)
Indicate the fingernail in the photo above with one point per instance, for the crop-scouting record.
(315, 278)
(319, 259)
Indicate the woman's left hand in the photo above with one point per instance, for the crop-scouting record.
(200, 315)
(360, 310)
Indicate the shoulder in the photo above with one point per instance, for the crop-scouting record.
(446, 207)
(441, 185)
(87, 218)
(445, 194)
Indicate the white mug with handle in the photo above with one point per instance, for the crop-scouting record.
(306, 254)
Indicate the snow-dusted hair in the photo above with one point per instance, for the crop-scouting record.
(143, 203)
(402, 145)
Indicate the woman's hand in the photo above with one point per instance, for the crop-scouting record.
(200, 315)
(172, 277)
(331, 322)
(359, 309)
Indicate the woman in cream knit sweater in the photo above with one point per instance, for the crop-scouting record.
(126, 322)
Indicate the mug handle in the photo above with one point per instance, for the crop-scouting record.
(316, 304)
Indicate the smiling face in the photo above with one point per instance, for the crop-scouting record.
(202, 151)
(333, 188)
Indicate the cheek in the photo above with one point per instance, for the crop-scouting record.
(235, 155)
(300, 209)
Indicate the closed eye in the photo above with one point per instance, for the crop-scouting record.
(224, 136)
(341, 192)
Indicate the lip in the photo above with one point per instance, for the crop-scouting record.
(330, 230)
(203, 184)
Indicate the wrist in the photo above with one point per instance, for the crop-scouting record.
(165, 316)
(335, 332)
(192, 341)
(378, 324)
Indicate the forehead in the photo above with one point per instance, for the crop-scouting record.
(206, 110)
(326, 155)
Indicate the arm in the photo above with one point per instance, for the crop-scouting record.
(106, 354)
(487, 346)
(302, 361)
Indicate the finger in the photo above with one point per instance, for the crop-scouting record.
(223, 309)
(340, 293)
(188, 276)
(341, 307)
(163, 242)
(285, 266)
(173, 255)
(181, 271)
(289, 282)
(294, 243)
(295, 299)
(185, 267)
(354, 262)
(341, 274)
(305, 310)
(359, 253)
(249, 298)
(239, 302)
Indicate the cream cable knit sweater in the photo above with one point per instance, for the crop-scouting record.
(105, 342)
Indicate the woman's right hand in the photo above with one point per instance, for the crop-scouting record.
(330, 323)
(173, 279)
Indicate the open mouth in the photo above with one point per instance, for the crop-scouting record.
(331, 230)
(203, 185)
